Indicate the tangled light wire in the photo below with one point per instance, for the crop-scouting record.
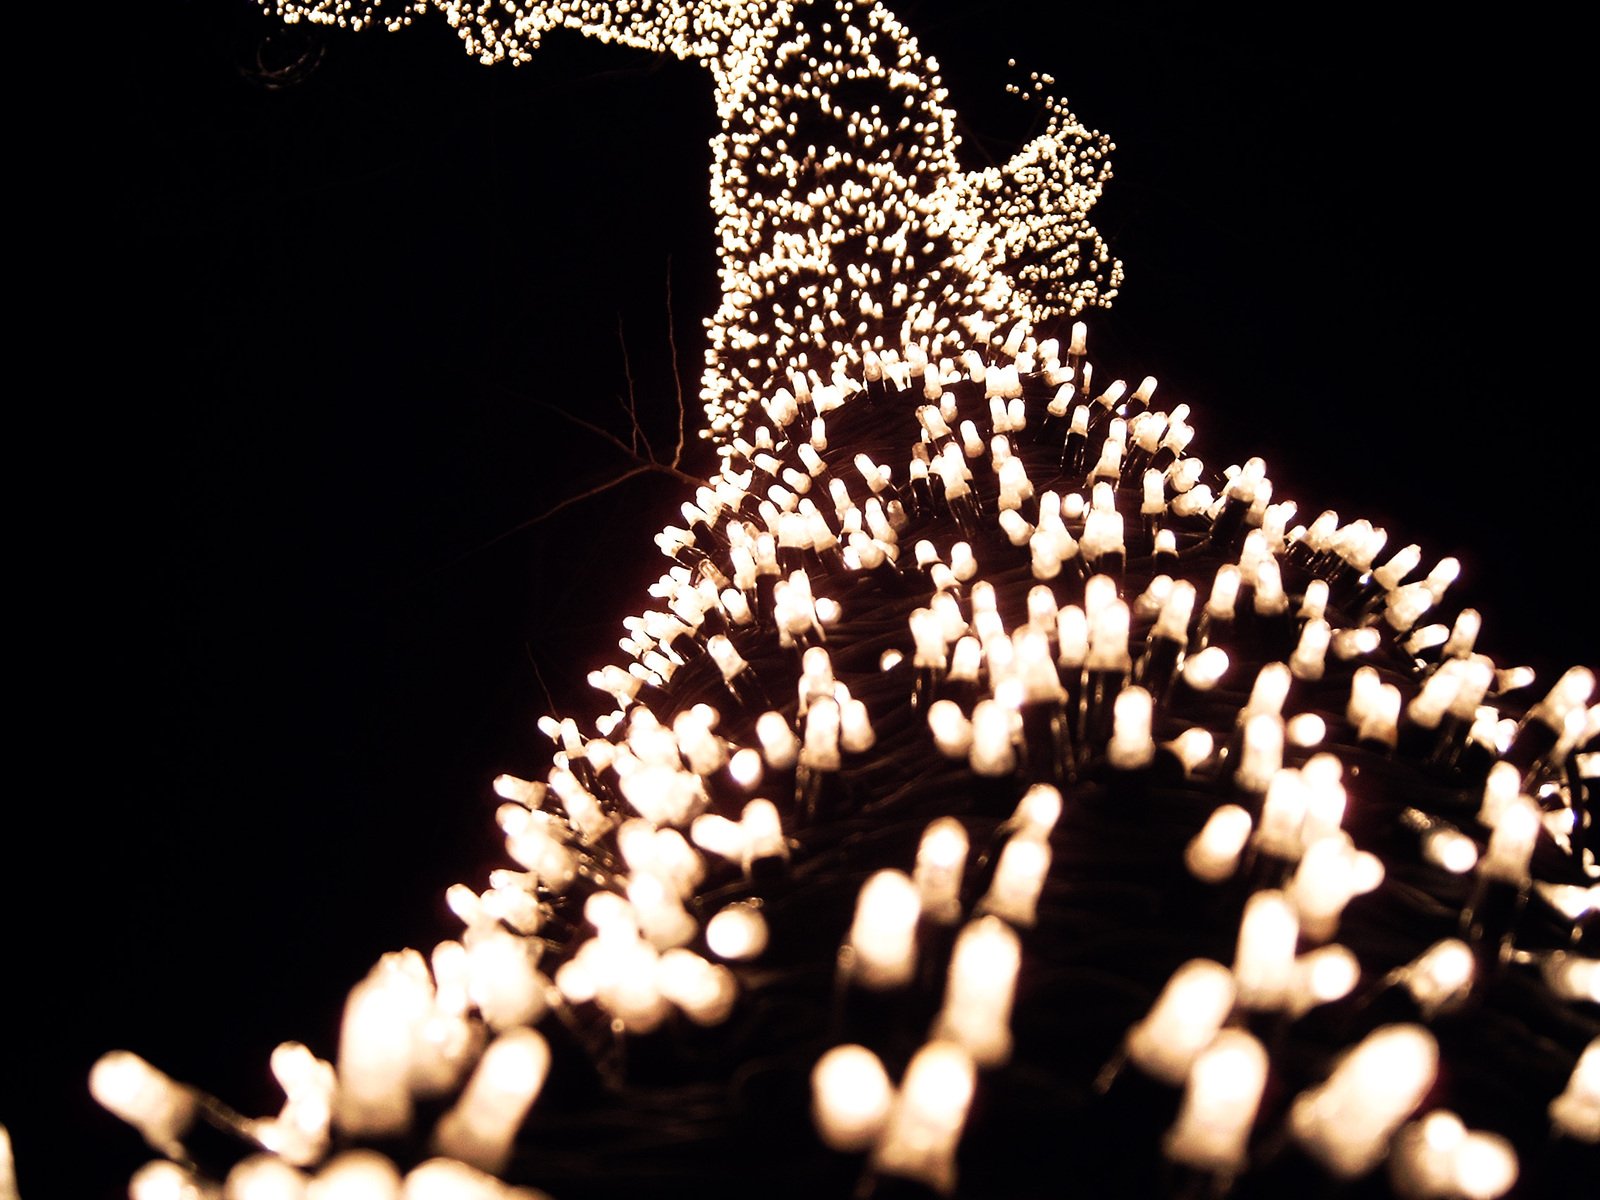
(970, 697)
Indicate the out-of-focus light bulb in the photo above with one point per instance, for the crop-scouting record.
(356, 1175)
(480, 1128)
(738, 933)
(166, 1181)
(926, 1121)
(1575, 1113)
(265, 1177)
(979, 989)
(882, 940)
(1219, 1105)
(1212, 855)
(1183, 1021)
(850, 1098)
(1346, 1122)
(130, 1088)
(941, 862)
(1263, 964)
(1018, 878)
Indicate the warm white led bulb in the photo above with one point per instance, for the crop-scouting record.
(850, 1098)
(1263, 963)
(941, 862)
(1575, 1113)
(738, 933)
(1346, 1122)
(1018, 878)
(165, 1181)
(1212, 855)
(130, 1088)
(1183, 1021)
(265, 1177)
(1131, 746)
(979, 989)
(479, 1129)
(928, 1116)
(882, 939)
(356, 1175)
(1219, 1105)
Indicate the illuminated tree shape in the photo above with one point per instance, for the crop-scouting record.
(844, 218)
(955, 635)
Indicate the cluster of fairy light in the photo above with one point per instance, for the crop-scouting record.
(860, 266)
(641, 817)
(845, 220)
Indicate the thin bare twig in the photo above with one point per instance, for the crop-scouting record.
(677, 378)
(569, 502)
(633, 398)
(633, 434)
(597, 430)
(533, 661)
(646, 463)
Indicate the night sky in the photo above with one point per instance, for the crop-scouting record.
(308, 621)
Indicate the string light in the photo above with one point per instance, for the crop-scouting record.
(1346, 1122)
(1183, 1021)
(1219, 1105)
(996, 610)
(850, 1097)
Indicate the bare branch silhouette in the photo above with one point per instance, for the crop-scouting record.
(632, 407)
(677, 377)
(597, 430)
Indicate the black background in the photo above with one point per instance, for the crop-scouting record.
(291, 626)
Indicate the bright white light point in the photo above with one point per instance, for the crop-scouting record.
(1485, 1166)
(1183, 1020)
(882, 936)
(1219, 1105)
(1512, 841)
(1576, 1112)
(1450, 849)
(745, 767)
(941, 861)
(1440, 972)
(1263, 962)
(738, 933)
(1305, 730)
(1572, 977)
(356, 1175)
(952, 732)
(979, 990)
(1213, 854)
(264, 1177)
(1018, 878)
(704, 990)
(890, 659)
(127, 1086)
(523, 791)
(1203, 671)
(1193, 747)
(1131, 746)
(163, 1181)
(1038, 811)
(1347, 1122)
(1326, 974)
(479, 1129)
(446, 1179)
(850, 1097)
(828, 611)
(925, 1124)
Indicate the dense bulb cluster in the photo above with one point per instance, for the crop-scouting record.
(992, 792)
(845, 221)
